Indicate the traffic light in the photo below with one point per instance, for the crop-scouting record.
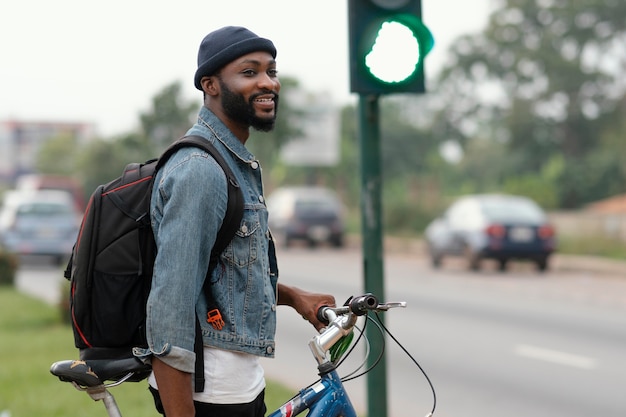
(388, 43)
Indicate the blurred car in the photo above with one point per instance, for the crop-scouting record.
(311, 214)
(39, 223)
(492, 226)
(33, 182)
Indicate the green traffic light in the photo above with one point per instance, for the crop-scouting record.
(388, 44)
(395, 53)
(398, 49)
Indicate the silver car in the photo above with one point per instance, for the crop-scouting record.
(492, 226)
(39, 223)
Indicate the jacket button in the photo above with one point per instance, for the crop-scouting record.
(261, 198)
(254, 165)
(269, 349)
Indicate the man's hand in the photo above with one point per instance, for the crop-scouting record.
(305, 303)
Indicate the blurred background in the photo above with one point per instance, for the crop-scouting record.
(524, 98)
(531, 101)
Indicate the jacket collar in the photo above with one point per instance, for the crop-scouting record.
(209, 125)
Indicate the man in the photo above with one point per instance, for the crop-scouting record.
(237, 74)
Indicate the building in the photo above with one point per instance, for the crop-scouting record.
(611, 205)
(21, 140)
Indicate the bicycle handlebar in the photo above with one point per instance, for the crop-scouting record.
(342, 319)
(358, 306)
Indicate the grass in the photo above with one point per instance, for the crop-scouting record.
(32, 337)
(594, 246)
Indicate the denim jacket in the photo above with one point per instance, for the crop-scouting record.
(188, 205)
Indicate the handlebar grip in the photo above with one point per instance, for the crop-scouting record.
(321, 314)
(360, 305)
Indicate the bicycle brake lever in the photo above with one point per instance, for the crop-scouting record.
(391, 304)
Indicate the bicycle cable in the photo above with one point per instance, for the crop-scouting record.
(432, 388)
(382, 330)
(367, 348)
(380, 355)
(345, 356)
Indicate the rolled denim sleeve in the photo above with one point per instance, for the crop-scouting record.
(188, 205)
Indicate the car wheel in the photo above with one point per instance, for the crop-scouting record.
(473, 259)
(542, 264)
(435, 260)
(337, 242)
(59, 260)
(502, 264)
(435, 256)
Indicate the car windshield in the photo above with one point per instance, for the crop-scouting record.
(503, 210)
(311, 205)
(43, 210)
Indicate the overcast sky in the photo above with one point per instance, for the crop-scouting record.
(102, 62)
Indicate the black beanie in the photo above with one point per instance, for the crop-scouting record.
(224, 45)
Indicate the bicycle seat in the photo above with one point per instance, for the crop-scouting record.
(91, 373)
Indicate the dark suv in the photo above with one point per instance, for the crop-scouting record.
(310, 214)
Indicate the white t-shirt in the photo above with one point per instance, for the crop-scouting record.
(230, 377)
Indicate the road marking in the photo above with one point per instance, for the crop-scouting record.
(555, 356)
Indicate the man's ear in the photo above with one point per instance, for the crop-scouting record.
(209, 85)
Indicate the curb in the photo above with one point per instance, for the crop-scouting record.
(559, 261)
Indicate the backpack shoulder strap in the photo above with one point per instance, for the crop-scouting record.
(234, 209)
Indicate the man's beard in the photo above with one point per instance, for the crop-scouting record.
(237, 109)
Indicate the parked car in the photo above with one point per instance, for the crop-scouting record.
(33, 182)
(492, 226)
(311, 214)
(42, 222)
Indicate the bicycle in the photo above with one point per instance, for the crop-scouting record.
(326, 397)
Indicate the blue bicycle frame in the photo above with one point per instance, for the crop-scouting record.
(326, 398)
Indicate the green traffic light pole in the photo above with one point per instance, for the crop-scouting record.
(372, 243)
(388, 42)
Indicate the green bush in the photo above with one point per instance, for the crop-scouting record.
(8, 267)
(64, 302)
(406, 219)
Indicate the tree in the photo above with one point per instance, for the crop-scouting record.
(543, 78)
(405, 146)
(116, 154)
(169, 118)
(58, 155)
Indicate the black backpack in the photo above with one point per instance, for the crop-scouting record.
(110, 269)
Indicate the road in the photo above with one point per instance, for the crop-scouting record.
(514, 344)
(509, 344)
